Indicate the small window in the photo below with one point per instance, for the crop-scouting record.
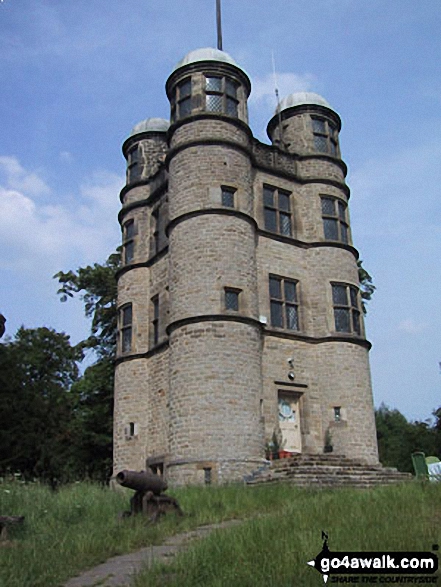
(128, 241)
(228, 197)
(182, 105)
(207, 475)
(126, 317)
(232, 299)
(155, 230)
(337, 414)
(325, 136)
(346, 308)
(335, 224)
(155, 320)
(221, 95)
(277, 210)
(284, 307)
(133, 165)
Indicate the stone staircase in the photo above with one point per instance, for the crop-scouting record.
(326, 471)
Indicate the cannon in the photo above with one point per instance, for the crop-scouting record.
(148, 499)
(141, 481)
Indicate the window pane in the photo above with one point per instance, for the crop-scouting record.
(285, 224)
(134, 171)
(333, 147)
(129, 229)
(342, 323)
(126, 343)
(133, 156)
(341, 211)
(275, 288)
(185, 107)
(320, 144)
(155, 302)
(228, 198)
(213, 84)
(284, 201)
(291, 318)
(344, 233)
(129, 249)
(231, 106)
(127, 315)
(231, 300)
(318, 125)
(339, 296)
(328, 206)
(230, 88)
(330, 228)
(185, 88)
(268, 197)
(214, 103)
(276, 314)
(354, 297)
(270, 220)
(356, 321)
(290, 291)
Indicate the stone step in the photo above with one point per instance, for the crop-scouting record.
(327, 470)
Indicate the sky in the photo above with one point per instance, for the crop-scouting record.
(77, 76)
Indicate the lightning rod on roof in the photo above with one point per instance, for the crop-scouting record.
(219, 24)
(276, 89)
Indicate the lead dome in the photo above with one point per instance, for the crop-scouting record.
(206, 54)
(301, 99)
(150, 125)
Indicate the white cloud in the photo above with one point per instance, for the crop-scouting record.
(44, 238)
(411, 326)
(263, 87)
(15, 177)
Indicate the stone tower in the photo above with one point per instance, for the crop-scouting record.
(238, 301)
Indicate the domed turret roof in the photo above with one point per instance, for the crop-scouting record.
(206, 54)
(150, 125)
(300, 99)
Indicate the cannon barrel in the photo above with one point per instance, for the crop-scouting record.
(141, 481)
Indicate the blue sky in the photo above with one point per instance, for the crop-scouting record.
(76, 76)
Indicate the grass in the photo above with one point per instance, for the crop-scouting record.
(272, 551)
(78, 527)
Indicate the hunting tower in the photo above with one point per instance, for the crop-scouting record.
(239, 309)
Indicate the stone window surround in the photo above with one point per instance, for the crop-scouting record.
(289, 308)
(228, 196)
(125, 323)
(129, 231)
(339, 216)
(155, 320)
(348, 319)
(325, 135)
(232, 299)
(277, 218)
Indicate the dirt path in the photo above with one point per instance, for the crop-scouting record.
(118, 571)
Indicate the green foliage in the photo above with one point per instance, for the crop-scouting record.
(398, 438)
(37, 371)
(367, 287)
(78, 527)
(98, 290)
(272, 550)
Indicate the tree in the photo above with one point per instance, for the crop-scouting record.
(367, 287)
(398, 438)
(38, 369)
(98, 290)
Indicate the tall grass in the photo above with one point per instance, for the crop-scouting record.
(272, 551)
(78, 526)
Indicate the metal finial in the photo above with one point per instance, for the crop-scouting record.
(219, 24)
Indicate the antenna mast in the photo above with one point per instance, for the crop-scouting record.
(219, 24)
(276, 89)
